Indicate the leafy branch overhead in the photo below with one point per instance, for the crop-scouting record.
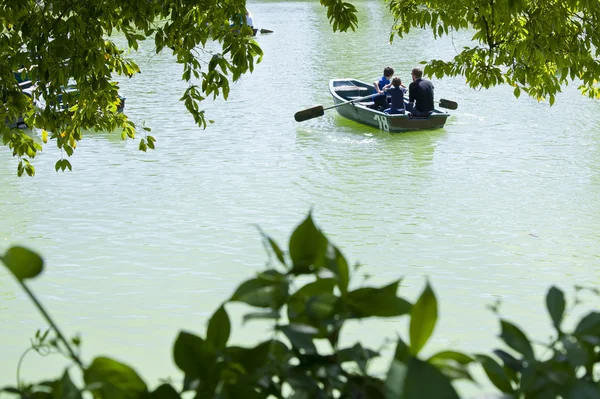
(534, 46)
(307, 295)
(56, 43)
(537, 47)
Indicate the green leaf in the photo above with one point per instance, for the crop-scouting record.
(424, 381)
(576, 354)
(265, 291)
(454, 356)
(115, 380)
(423, 317)
(165, 391)
(509, 360)
(219, 328)
(516, 339)
(273, 245)
(271, 315)
(402, 352)
(65, 388)
(495, 373)
(277, 250)
(193, 355)
(23, 263)
(321, 307)
(336, 262)
(583, 390)
(377, 302)
(555, 301)
(300, 336)
(589, 325)
(357, 354)
(307, 246)
(270, 352)
(452, 364)
(395, 380)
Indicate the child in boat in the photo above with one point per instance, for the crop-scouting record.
(381, 101)
(396, 90)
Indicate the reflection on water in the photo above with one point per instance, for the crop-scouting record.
(500, 203)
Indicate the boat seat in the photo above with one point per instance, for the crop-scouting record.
(420, 116)
(367, 104)
(350, 88)
(354, 97)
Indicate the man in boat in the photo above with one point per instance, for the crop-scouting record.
(380, 86)
(421, 92)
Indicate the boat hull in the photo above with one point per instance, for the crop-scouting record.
(343, 90)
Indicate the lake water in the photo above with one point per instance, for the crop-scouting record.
(500, 204)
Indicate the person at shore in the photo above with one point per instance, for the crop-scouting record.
(396, 90)
(420, 91)
(380, 85)
(239, 19)
(249, 20)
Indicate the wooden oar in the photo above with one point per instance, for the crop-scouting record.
(266, 31)
(318, 110)
(449, 104)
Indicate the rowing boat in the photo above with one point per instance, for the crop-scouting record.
(344, 91)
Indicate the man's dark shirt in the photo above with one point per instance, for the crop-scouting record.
(421, 91)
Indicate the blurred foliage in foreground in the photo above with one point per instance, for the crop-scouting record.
(307, 295)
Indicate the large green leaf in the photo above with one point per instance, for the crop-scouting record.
(423, 317)
(219, 328)
(377, 302)
(424, 381)
(321, 307)
(269, 353)
(23, 263)
(193, 355)
(555, 302)
(114, 380)
(495, 373)
(307, 246)
(516, 339)
(589, 325)
(313, 303)
(268, 290)
(395, 380)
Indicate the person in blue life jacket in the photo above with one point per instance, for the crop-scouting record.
(381, 101)
(420, 91)
(396, 91)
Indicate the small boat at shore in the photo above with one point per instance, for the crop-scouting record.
(351, 98)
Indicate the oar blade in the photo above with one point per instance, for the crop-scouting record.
(266, 31)
(448, 104)
(309, 113)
